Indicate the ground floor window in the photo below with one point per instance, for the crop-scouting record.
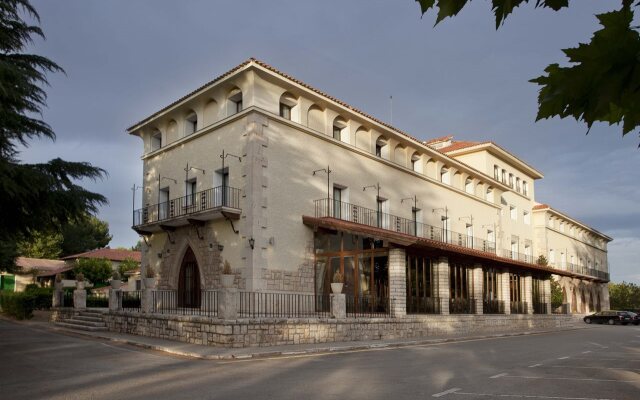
(518, 306)
(420, 286)
(460, 281)
(491, 291)
(537, 295)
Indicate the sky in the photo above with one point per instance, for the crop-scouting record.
(126, 59)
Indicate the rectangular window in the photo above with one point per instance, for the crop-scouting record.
(337, 132)
(285, 111)
(191, 192)
(518, 185)
(561, 226)
(496, 172)
(550, 222)
(511, 181)
(513, 212)
(382, 213)
(504, 176)
(163, 203)
(238, 106)
(526, 217)
(552, 256)
(337, 202)
(525, 188)
(378, 150)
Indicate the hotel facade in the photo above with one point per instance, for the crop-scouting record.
(290, 185)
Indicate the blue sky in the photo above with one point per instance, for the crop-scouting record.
(126, 59)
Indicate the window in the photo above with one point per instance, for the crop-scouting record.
(382, 214)
(513, 211)
(490, 195)
(416, 165)
(470, 236)
(561, 226)
(496, 172)
(572, 260)
(550, 223)
(337, 202)
(525, 188)
(191, 190)
(526, 217)
(285, 111)
(572, 231)
(445, 175)
(337, 132)
(518, 185)
(552, 256)
(191, 124)
(514, 247)
(468, 186)
(446, 228)
(382, 149)
(234, 104)
(563, 260)
(163, 203)
(156, 140)
(504, 176)
(221, 187)
(511, 181)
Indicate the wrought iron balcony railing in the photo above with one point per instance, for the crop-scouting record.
(217, 197)
(514, 255)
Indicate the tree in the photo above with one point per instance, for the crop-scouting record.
(556, 295)
(39, 196)
(127, 265)
(41, 245)
(624, 296)
(603, 82)
(84, 234)
(138, 246)
(95, 270)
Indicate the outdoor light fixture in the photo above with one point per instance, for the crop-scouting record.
(252, 242)
(220, 247)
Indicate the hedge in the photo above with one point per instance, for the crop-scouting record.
(19, 305)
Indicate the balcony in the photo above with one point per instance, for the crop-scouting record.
(210, 204)
(514, 255)
(361, 215)
(582, 270)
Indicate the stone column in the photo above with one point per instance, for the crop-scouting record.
(397, 282)
(604, 297)
(546, 294)
(527, 289)
(228, 303)
(114, 297)
(339, 305)
(477, 290)
(504, 291)
(57, 299)
(578, 290)
(146, 301)
(80, 299)
(441, 278)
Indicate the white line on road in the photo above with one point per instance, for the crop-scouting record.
(585, 352)
(563, 358)
(558, 378)
(446, 392)
(498, 376)
(534, 365)
(598, 344)
(581, 367)
(604, 359)
(527, 396)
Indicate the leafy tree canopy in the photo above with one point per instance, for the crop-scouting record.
(602, 83)
(41, 245)
(95, 270)
(33, 197)
(127, 265)
(624, 296)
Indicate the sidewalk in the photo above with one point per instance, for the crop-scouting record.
(223, 353)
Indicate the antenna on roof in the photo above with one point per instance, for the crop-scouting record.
(391, 106)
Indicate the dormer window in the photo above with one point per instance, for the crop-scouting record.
(191, 124)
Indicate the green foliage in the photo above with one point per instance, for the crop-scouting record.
(19, 305)
(41, 245)
(42, 296)
(624, 296)
(32, 196)
(138, 246)
(95, 270)
(84, 234)
(542, 260)
(127, 265)
(556, 295)
(603, 82)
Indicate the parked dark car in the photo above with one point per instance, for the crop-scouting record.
(635, 318)
(609, 317)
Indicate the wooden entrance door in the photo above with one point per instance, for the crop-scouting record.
(189, 281)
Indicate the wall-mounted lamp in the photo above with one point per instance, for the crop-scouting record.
(252, 242)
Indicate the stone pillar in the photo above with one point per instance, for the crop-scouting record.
(578, 290)
(527, 289)
(80, 299)
(504, 292)
(114, 296)
(604, 297)
(146, 301)
(57, 299)
(546, 294)
(228, 303)
(477, 290)
(441, 278)
(397, 282)
(339, 305)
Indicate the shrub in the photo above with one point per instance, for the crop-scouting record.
(31, 286)
(95, 270)
(18, 305)
(42, 297)
(127, 265)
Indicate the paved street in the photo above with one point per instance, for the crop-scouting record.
(601, 362)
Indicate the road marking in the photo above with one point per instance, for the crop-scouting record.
(598, 344)
(585, 352)
(498, 376)
(558, 378)
(527, 396)
(446, 392)
(534, 365)
(604, 359)
(563, 358)
(581, 367)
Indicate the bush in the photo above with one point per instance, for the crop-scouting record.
(95, 270)
(18, 305)
(42, 297)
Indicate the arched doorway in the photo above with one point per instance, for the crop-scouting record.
(189, 281)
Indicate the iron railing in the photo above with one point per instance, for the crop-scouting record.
(513, 255)
(518, 307)
(540, 308)
(98, 300)
(423, 305)
(66, 298)
(129, 300)
(204, 303)
(283, 305)
(366, 216)
(461, 305)
(367, 306)
(492, 306)
(221, 196)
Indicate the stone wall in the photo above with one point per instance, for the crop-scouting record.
(271, 332)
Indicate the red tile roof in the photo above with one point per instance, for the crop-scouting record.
(41, 264)
(109, 254)
(459, 145)
(541, 206)
(438, 139)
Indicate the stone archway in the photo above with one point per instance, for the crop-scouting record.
(189, 281)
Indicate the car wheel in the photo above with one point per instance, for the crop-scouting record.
(612, 322)
(588, 320)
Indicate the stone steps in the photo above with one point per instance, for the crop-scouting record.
(91, 321)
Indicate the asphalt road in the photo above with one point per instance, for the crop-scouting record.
(602, 362)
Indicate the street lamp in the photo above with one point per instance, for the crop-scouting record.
(414, 211)
(327, 171)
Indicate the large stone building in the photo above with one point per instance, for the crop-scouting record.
(291, 185)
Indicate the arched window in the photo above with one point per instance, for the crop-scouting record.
(289, 107)
(315, 118)
(416, 162)
(468, 185)
(191, 123)
(340, 131)
(445, 175)
(382, 148)
(234, 101)
(156, 140)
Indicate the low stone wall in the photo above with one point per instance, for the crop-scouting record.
(59, 314)
(272, 332)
